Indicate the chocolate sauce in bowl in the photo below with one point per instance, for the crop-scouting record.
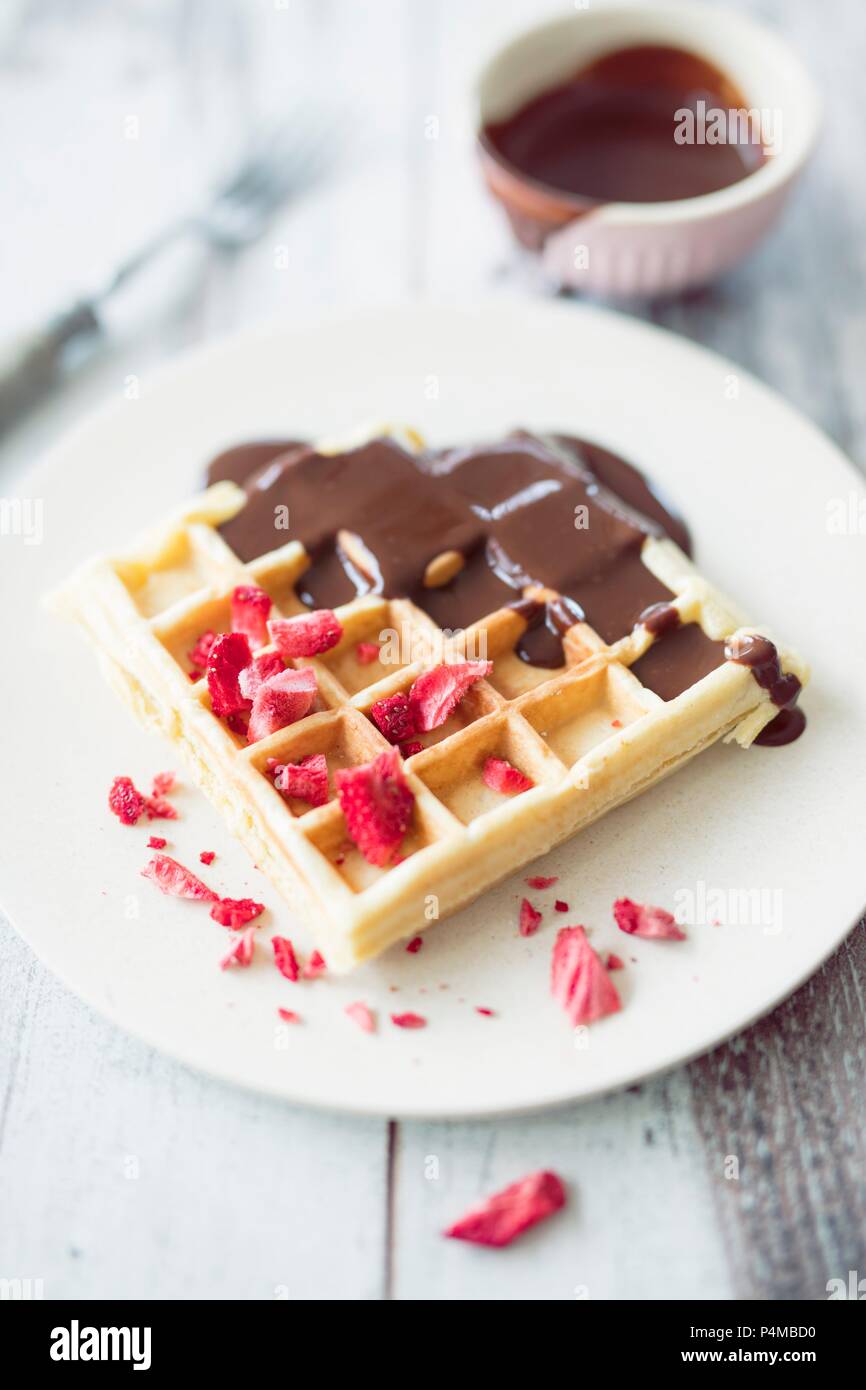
(608, 134)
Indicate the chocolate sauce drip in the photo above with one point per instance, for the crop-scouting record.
(660, 618)
(607, 134)
(677, 660)
(542, 642)
(783, 688)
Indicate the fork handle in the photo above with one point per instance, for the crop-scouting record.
(30, 362)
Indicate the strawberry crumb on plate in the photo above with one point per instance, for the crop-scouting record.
(488, 1013)
(289, 1016)
(172, 878)
(284, 957)
(360, 1014)
(560, 906)
(156, 842)
(498, 1220)
(539, 882)
(530, 918)
(236, 912)
(654, 923)
(207, 856)
(414, 946)
(579, 981)
(241, 950)
(314, 967)
(409, 1020)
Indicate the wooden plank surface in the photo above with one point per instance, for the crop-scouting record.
(236, 1196)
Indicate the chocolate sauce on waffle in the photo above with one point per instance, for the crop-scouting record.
(608, 134)
(783, 688)
(526, 516)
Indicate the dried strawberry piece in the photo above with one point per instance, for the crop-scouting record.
(156, 842)
(260, 669)
(201, 651)
(530, 919)
(172, 878)
(250, 609)
(411, 748)
(125, 801)
(614, 962)
(507, 1214)
(228, 656)
(560, 906)
(501, 776)
(284, 957)
(579, 981)
(207, 856)
(367, 652)
(162, 784)
(236, 912)
(308, 635)
(414, 946)
(540, 882)
(394, 717)
(409, 1020)
(282, 700)
(488, 1013)
(437, 693)
(158, 808)
(360, 1014)
(289, 1016)
(377, 805)
(241, 950)
(314, 967)
(652, 922)
(307, 780)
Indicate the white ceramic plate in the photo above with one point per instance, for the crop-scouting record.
(761, 488)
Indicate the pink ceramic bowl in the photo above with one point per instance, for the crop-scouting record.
(621, 249)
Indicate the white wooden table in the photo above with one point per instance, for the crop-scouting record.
(121, 1173)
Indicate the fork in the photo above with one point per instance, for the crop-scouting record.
(282, 160)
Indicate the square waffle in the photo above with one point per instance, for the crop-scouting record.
(590, 735)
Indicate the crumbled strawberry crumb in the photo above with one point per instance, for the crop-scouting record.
(530, 919)
(241, 950)
(284, 957)
(437, 693)
(163, 783)
(560, 906)
(499, 1219)
(172, 878)
(281, 700)
(360, 1014)
(314, 967)
(377, 804)
(394, 717)
(488, 1013)
(579, 981)
(250, 607)
(411, 748)
(236, 912)
(289, 1016)
(414, 945)
(207, 856)
(614, 962)
(540, 882)
(616, 723)
(156, 842)
(306, 780)
(260, 669)
(652, 922)
(367, 652)
(227, 657)
(125, 801)
(199, 654)
(409, 1020)
(501, 776)
(309, 635)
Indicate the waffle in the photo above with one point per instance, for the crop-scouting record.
(590, 735)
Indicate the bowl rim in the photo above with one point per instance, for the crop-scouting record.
(773, 174)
